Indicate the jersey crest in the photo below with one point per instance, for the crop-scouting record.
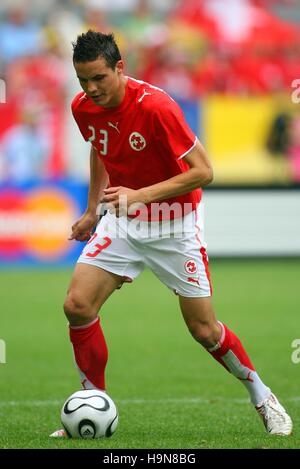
(137, 141)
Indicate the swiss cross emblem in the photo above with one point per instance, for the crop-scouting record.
(137, 141)
(190, 266)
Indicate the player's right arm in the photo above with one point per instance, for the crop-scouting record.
(82, 228)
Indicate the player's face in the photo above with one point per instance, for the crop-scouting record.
(105, 86)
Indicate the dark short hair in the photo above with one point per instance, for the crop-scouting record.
(92, 45)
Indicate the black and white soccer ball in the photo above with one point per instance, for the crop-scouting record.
(89, 414)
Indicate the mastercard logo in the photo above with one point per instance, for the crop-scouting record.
(36, 223)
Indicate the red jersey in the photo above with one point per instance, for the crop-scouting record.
(142, 141)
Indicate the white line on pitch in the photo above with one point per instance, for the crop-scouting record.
(192, 400)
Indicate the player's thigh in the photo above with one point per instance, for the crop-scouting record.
(197, 310)
(89, 288)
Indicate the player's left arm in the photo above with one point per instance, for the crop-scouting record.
(199, 174)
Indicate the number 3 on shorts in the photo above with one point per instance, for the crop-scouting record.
(99, 247)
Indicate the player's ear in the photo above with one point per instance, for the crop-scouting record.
(120, 66)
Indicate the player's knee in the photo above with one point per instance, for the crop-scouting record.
(77, 309)
(203, 332)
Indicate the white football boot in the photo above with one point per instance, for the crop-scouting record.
(274, 416)
(59, 434)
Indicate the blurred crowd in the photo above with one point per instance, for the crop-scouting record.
(190, 48)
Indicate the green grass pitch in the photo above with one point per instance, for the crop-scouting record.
(170, 393)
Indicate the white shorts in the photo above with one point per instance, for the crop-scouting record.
(174, 250)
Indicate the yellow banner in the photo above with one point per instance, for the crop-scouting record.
(236, 132)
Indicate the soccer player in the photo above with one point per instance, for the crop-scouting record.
(148, 167)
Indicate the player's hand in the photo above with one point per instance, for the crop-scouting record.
(122, 200)
(82, 228)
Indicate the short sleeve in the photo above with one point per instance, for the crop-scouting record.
(171, 129)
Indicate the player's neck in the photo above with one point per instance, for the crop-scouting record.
(120, 94)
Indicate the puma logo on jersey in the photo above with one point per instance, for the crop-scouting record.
(143, 95)
(110, 124)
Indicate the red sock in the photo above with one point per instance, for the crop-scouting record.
(90, 353)
(231, 354)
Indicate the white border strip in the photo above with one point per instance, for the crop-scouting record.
(184, 154)
(187, 400)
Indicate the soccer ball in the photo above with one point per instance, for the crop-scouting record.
(89, 414)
